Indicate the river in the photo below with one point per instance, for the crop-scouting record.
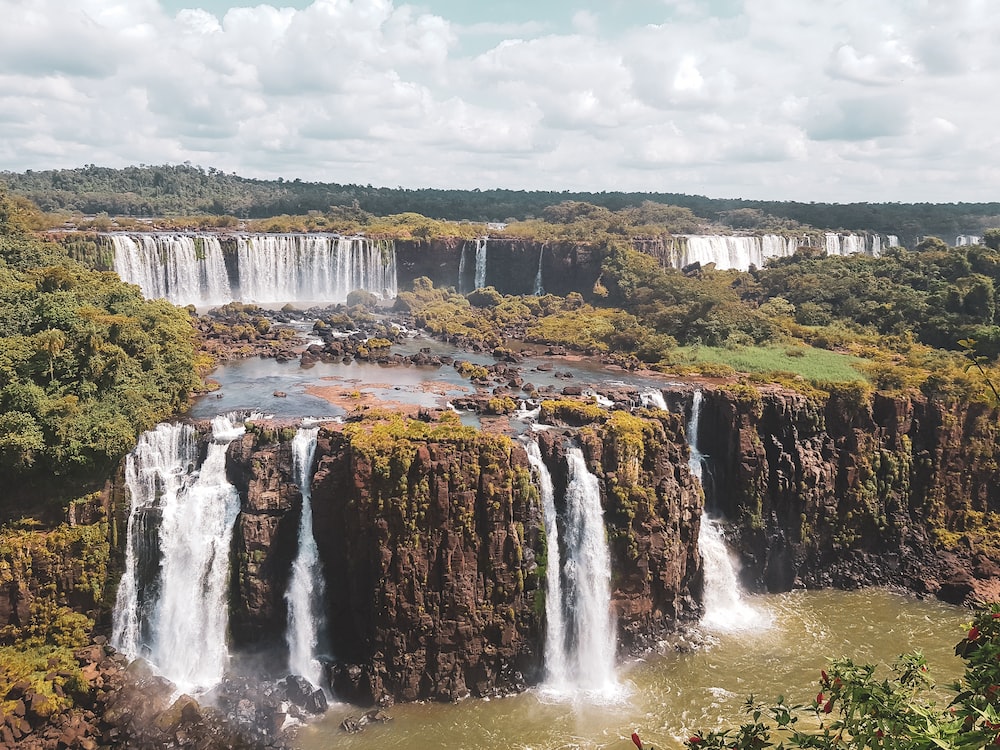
(667, 696)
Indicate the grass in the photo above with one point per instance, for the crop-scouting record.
(810, 363)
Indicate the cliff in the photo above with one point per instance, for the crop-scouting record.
(432, 541)
(858, 490)
(511, 265)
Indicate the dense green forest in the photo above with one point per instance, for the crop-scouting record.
(85, 363)
(187, 190)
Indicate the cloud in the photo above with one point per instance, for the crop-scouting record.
(859, 120)
(737, 97)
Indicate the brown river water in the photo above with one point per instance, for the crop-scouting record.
(666, 696)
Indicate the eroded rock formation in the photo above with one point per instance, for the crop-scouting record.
(859, 490)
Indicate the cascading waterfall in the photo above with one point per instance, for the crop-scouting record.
(266, 268)
(722, 594)
(555, 624)
(967, 239)
(740, 252)
(179, 620)
(652, 398)
(539, 290)
(481, 262)
(185, 269)
(305, 588)
(461, 270)
(587, 577)
(280, 268)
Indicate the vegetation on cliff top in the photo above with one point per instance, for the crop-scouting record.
(85, 362)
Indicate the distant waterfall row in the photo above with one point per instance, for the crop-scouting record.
(200, 270)
(172, 606)
(741, 252)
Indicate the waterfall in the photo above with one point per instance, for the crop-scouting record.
(266, 268)
(587, 575)
(305, 588)
(891, 240)
(967, 239)
(740, 252)
(461, 270)
(539, 290)
(652, 398)
(481, 262)
(722, 594)
(178, 617)
(185, 269)
(555, 626)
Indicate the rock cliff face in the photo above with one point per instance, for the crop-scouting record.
(652, 510)
(860, 490)
(433, 544)
(511, 265)
(265, 537)
(431, 550)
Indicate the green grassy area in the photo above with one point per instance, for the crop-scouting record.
(810, 363)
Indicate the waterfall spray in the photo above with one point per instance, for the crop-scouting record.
(587, 572)
(481, 262)
(179, 621)
(539, 290)
(722, 594)
(305, 589)
(555, 627)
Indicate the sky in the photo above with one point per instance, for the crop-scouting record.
(838, 100)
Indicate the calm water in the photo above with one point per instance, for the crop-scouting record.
(665, 697)
(249, 384)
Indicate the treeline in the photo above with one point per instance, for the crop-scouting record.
(187, 190)
(85, 364)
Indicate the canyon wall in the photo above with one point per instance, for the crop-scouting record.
(511, 265)
(859, 490)
(433, 545)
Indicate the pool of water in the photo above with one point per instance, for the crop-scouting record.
(667, 696)
(250, 384)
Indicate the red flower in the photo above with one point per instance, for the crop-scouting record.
(826, 679)
(636, 740)
(828, 707)
(879, 733)
(996, 615)
(694, 740)
(973, 633)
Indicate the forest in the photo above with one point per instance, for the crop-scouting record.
(185, 189)
(85, 364)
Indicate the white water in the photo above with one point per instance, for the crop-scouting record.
(587, 574)
(967, 239)
(556, 676)
(740, 252)
(725, 608)
(652, 398)
(305, 588)
(185, 269)
(461, 270)
(267, 268)
(280, 268)
(481, 262)
(539, 289)
(179, 623)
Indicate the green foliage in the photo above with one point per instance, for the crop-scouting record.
(85, 364)
(859, 707)
(805, 361)
(570, 412)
